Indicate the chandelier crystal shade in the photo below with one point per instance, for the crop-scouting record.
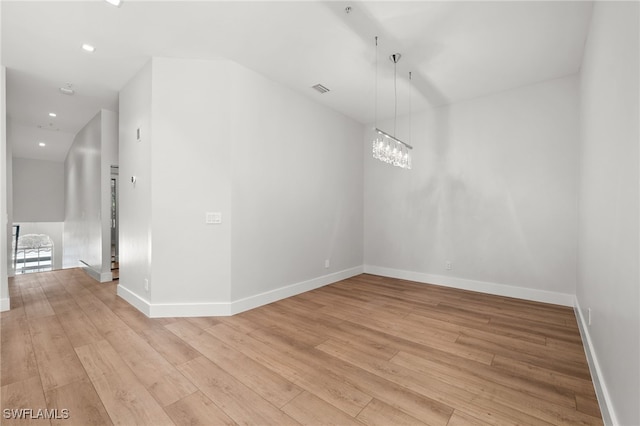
(385, 147)
(390, 150)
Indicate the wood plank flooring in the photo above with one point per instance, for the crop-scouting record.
(367, 350)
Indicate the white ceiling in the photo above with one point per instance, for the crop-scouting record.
(455, 50)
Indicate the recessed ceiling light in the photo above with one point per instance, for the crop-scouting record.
(88, 48)
(42, 144)
(115, 3)
(53, 114)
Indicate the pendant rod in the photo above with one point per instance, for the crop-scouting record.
(393, 138)
(376, 87)
(395, 92)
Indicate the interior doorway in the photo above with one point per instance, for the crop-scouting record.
(115, 255)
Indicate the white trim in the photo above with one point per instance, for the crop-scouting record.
(604, 398)
(133, 299)
(162, 310)
(5, 304)
(473, 285)
(102, 277)
(271, 296)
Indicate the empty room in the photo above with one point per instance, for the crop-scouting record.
(320, 212)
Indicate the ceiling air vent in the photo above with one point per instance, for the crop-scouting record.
(320, 88)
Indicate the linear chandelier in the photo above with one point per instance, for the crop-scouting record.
(386, 147)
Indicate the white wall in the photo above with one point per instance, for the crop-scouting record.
(227, 140)
(135, 199)
(297, 188)
(608, 277)
(82, 233)
(492, 190)
(38, 188)
(190, 175)
(181, 165)
(86, 181)
(4, 216)
(9, 175)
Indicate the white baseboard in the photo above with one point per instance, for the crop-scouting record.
(479, 286)
(133, 299)
(101, 277)
(265, 298)
(5, 304)
(162, 310)
(604, 398)
(168, 310)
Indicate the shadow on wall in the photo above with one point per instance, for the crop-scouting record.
(463, 206)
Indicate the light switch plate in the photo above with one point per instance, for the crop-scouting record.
(213, 218)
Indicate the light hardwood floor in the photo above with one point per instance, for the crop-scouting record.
(367, 350)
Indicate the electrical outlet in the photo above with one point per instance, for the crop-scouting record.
(146, 284)
(448, 266)
(588, 316)
(327, 263)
